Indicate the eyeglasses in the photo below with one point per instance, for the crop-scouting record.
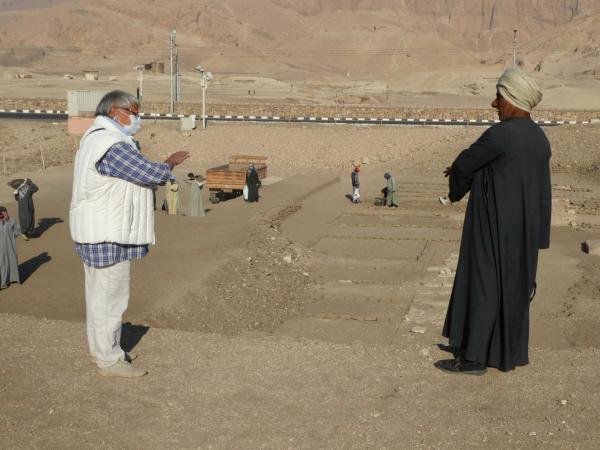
(135, 113)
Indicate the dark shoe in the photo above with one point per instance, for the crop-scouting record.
(461, 366)
(456, 351)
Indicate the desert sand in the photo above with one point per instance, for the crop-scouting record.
(302, 321)
(376, 52)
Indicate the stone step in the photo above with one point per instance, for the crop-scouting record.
(341, 330)
(359, 308)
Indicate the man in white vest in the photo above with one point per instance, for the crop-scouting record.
(111, 220)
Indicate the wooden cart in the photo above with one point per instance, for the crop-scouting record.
(228, 180)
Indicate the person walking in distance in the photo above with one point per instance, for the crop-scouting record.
(9, 265)
(172, 196)
(355, 184)
(24, 196)
(111, 220)
(391, 196)
(253, 183)
(196, 183)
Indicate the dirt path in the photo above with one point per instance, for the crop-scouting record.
(303, 321)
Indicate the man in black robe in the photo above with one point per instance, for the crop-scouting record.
(24, 197)
(253, 183)
(507, 222)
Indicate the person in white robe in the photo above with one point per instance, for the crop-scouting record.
(9, 265)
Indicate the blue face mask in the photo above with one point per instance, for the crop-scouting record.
(134, 126)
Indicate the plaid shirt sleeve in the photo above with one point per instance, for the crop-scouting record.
(124, 161)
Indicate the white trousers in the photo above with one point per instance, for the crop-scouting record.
(355, 194)
(106, 299)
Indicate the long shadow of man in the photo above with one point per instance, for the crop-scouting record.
(27, 268)
(45, 223)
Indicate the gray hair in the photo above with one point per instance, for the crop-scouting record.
(120, 99)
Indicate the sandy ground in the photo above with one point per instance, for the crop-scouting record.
(331, 350)
(421, 89)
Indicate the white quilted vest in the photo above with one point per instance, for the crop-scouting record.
(103, 208)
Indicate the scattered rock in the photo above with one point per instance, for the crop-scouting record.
(418, 330)
(345, 281)
(591, 247)
(532, 434)
(563, 402)
(287, 259)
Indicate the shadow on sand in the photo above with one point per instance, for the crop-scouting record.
(44, 224)
(27, 268)
(131, 335)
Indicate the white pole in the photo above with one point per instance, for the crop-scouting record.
(171, 49)
(42, 154)
(514, 48)
(203, 104)
(141, 84)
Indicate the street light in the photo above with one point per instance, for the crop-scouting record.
(140, 70)
(206, 77)
(514, 48)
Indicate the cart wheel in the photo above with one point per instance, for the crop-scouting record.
(214, 197)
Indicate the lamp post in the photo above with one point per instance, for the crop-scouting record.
(172, 45)
(206, 77)
(140, 70)
(514, 48)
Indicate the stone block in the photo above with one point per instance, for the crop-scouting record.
(187, 123)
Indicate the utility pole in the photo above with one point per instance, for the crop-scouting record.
(140, 92)
(177, 77)
(514, 48)
(172, 47)
(206, 77)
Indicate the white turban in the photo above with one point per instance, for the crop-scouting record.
(519, 89)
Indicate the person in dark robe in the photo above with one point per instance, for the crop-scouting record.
(390, 191)
(24, 196)
(507, 221)
(9, 265)
(355, 183)
(253, 183)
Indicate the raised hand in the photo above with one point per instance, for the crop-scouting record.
(177, 158)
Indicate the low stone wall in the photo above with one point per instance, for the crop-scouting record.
(288, 110)
(33, 103)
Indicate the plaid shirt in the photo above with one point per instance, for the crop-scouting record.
(126, 162)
